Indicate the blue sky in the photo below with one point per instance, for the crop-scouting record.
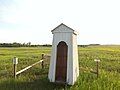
(97, 21)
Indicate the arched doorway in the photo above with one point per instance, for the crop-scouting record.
(61, 62)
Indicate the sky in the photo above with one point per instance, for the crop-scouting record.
(97, 21)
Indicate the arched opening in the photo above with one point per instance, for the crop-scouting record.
(61, 62)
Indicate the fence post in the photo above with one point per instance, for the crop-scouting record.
(42, 63)
(97, 67)
(15, 62)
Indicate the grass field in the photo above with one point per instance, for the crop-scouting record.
(36, 77)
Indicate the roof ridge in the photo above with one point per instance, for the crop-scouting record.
(64, 25)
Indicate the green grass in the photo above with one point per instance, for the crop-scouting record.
(36, 77)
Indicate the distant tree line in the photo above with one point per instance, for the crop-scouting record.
(88, 45)
(83, 46)
(15, 44)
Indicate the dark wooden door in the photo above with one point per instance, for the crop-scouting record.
(61, 62)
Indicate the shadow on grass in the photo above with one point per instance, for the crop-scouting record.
(39, 84)
(21, 83)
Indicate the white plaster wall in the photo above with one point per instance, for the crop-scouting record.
(52, 62)
(75, 59)
(58, 37)
(65, 34)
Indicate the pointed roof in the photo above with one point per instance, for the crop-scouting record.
(63, 28)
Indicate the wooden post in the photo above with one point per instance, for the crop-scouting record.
(14, 72)
(42, 56)
(42, 64)
(15, 62)
(97, 67)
